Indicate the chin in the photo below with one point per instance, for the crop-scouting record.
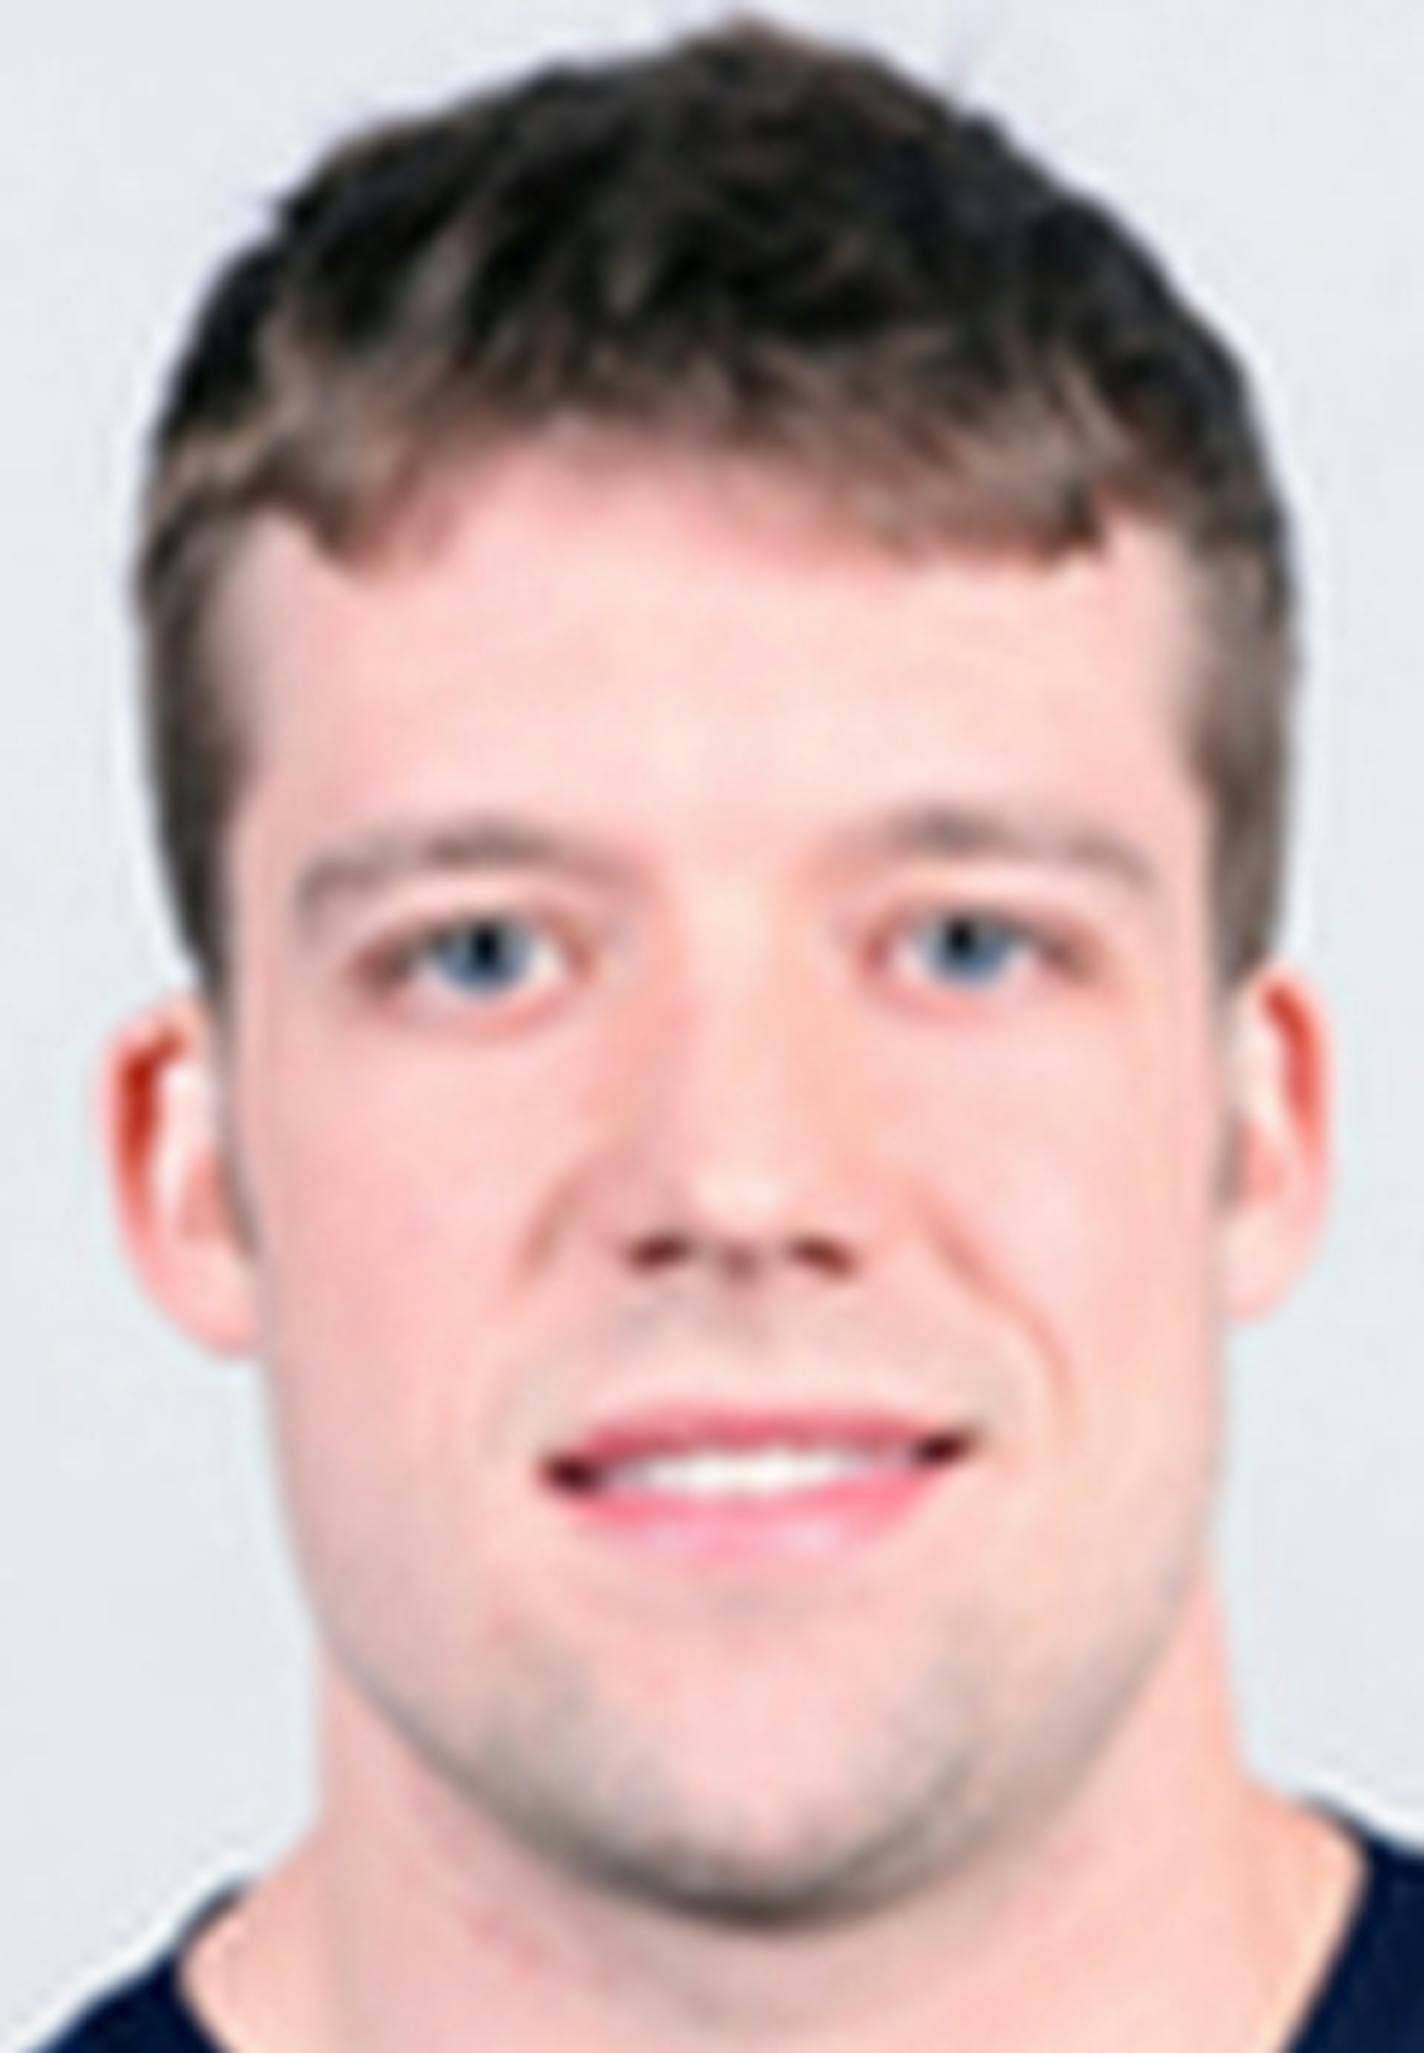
(711, 1804)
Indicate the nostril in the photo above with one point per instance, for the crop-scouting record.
(822, 1252)
(657, 1250)
(829, 1256)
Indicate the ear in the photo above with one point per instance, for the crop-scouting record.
(172, 1178)
(1279, 1084)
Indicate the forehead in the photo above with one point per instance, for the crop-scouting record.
(569, 630)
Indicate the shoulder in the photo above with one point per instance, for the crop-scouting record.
(146, 2012)
(129, 2017)
(1373, 2000)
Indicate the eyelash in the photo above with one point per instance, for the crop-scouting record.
(415, 959)
(1021, 942)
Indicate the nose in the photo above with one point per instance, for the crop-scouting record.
(739, 1240)
(749, 1152)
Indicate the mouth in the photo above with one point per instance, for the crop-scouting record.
(709, 1487)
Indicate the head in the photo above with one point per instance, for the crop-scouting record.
(791, 515)
(747, 244)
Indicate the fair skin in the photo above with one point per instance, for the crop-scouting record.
(733, 1136)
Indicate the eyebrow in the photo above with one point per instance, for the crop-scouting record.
(372, 863)
(1018, 833)
(402, 853)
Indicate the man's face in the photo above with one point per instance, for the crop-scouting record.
(849, 1054)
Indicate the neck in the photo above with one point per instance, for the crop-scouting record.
(1169, 1904)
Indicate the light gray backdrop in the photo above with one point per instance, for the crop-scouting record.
(153, 1732)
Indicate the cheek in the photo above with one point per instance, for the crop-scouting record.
(1073, 1186)
(397, 1203)
(1072, 1171)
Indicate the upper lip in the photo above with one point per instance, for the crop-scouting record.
(685, 1428)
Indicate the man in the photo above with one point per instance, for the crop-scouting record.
(719, 655)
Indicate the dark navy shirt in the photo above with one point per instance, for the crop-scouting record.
(1372, 1999)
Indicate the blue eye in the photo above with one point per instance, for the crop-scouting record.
(483, 957)
(970, 948)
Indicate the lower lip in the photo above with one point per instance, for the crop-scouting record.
(800, 1525)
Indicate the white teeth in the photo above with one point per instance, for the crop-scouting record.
(751, 1472)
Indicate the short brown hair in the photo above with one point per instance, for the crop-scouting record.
(751, 242)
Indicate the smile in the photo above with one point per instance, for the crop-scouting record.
(767, 1472)
(746, 1490)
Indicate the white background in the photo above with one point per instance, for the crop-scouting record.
(153, 1727)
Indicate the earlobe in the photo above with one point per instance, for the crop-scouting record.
(1280, 1139)
(170, 1174)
